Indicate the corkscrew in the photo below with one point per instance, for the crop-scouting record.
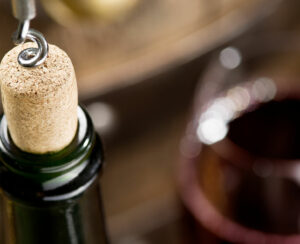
(25, 11)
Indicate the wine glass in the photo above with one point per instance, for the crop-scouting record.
(239, 176)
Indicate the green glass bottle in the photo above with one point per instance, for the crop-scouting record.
(52, 198)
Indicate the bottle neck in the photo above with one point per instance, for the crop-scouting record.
(55, 176)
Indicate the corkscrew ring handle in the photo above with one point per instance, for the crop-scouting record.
(34, 56)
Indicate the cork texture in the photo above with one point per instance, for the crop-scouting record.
(40, 103)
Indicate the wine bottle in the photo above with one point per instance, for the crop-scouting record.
(50, 155)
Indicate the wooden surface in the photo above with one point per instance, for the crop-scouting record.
(139, 185)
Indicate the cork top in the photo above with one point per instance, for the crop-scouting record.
(43, 80)
(40, 103)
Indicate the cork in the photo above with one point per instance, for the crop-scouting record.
(40, 103)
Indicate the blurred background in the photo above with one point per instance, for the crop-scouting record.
(138, 64)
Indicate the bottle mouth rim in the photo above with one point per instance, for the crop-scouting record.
(50, 162)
